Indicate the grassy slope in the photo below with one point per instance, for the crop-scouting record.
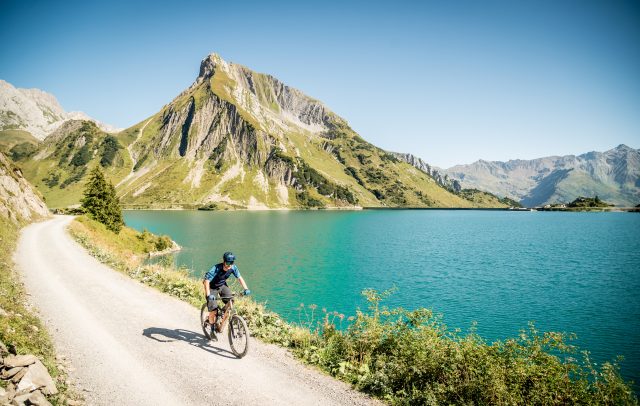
(10, 138)
(55, 162)
(21, 328)
(403, 357)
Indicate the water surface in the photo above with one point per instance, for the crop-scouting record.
(573, 272)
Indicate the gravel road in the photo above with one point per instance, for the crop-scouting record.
(129, 344)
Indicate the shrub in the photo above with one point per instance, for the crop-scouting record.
(110, 147)
(82, 157)
(23, 150)
(100, 201)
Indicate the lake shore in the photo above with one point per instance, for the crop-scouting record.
(359, 355)
(359, 208)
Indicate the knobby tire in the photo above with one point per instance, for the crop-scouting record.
(238, 336)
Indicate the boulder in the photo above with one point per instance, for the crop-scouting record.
(37, 377)
(17, 377)
(13, 361)
(20, 400)
(38, 399)
(9, 373)
(3, 349)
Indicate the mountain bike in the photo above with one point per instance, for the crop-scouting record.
(237, 331)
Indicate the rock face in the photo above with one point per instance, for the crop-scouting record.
(613, 175)
(18, 201)
(439, 176)
(35, 111)
(240, 138)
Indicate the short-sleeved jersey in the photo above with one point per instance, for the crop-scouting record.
(218, 277)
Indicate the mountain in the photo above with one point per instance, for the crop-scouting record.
(437, 174)
(613, 175)
(35, 112)
(18, 201)
(235, 139)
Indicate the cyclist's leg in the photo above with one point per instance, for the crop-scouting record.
(212, 306)
(225, 291)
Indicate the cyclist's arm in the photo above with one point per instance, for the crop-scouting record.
(208, 277)
(243, 283)
(206, 287)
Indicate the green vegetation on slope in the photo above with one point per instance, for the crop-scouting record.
(18, 144)
(588, 202)
(486, 199)
(20, 328)
(59, 168)
(404, 357)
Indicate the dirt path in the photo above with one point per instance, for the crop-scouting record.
(130, 344)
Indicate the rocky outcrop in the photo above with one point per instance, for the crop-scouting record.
(27, 380)
(36, 111)
(441, 178)
(613, 175)
(268, 100)
(212, 130)
(18, 201)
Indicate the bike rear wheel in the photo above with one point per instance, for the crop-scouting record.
(238, 336)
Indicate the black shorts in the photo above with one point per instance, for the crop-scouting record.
(222, 291)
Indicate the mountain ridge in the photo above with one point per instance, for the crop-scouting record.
(614, 175)
(36, 111)
(236, 138)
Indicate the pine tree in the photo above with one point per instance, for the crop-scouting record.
(100, 201)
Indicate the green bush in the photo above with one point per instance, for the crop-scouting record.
(110, 147)
(82, 157)
(52, 179)
(23, 150)
(100, 201)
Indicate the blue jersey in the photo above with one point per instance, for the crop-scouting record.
(218, 277)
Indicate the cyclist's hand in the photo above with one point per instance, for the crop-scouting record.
(246, 292)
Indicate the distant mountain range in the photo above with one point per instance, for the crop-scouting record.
(614, 176)
(234, 139)
(36, 112)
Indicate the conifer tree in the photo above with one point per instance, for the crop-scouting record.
(100, 201)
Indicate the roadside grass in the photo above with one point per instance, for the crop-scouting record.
(20, 329)
(403, 357)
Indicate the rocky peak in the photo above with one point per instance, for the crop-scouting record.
(208, 66)
(267, 99)
(36, 111)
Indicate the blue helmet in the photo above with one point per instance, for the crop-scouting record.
(228, 257)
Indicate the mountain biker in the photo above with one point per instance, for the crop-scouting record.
(215, 282)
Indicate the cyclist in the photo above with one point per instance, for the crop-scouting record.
(215, 282)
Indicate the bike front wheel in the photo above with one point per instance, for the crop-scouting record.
(238, 336)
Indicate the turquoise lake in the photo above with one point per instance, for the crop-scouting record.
(572, 272)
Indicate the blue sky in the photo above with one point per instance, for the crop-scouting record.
(451, 81)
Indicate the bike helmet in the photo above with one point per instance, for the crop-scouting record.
(228, 257)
